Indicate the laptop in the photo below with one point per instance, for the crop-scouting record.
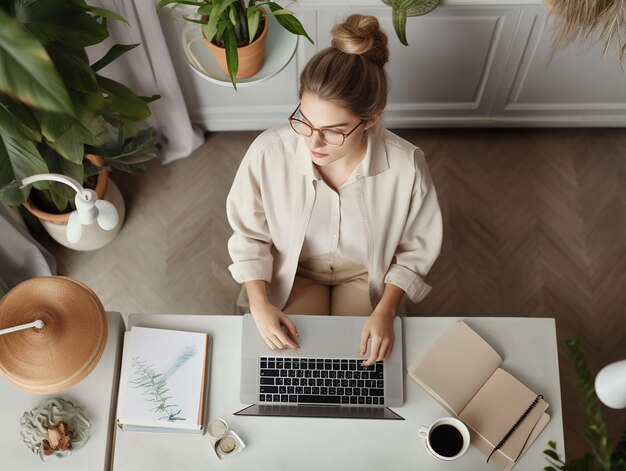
(325, 377)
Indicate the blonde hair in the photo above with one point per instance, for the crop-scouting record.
(351, 71)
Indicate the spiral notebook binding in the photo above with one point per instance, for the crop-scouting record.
(515, 426)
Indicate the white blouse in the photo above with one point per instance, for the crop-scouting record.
(335, 229)
(270, 206)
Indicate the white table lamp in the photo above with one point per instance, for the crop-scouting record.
(89, 208)
(611, 385)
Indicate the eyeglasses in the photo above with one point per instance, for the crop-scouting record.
(328, 136)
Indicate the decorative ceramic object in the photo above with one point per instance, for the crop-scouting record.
(56, 426)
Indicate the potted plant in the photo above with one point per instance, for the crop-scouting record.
(235, 31)
(55, 109)
(401, 9)
(604, 456)
(589, 20)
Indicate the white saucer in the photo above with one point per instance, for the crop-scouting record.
(279, 49)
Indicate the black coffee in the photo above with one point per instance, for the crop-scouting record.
(446, 440)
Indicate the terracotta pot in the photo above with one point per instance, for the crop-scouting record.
(251, 57)
(100, 189)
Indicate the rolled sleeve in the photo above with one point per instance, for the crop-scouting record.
(420, 243)
(413, 285)
(250, 245)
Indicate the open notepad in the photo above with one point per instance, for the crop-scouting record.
(163, 381)
(462, 372)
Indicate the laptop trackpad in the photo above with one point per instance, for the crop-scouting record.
(331, 338)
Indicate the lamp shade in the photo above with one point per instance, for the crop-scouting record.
(611, 385)
(69, 345)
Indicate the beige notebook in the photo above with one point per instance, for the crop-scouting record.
(462, 372)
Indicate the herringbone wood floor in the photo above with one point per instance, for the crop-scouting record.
(535, 225)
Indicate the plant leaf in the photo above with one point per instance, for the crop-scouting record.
(163, 3)
(113, 53)
(19, 158)
(289, 22)
(596, 430)
(16, 121)
(398, 18)
(124, 100)
(73, 66)
(69, 23)
(232, 58)
(103, 12)
(26, 70)
(12, 196)
(421, 7)
(254, 18)
(552, 454)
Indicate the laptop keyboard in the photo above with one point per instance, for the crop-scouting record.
(320, 381)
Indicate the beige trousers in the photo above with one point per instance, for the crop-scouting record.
(330, 287)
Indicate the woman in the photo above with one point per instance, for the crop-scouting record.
(331, 214)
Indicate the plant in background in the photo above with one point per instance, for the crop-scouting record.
(231, 24)
(55, 107)
(401, 9)
(590, 20)
(603, 456)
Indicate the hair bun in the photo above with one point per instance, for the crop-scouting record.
(361, 35)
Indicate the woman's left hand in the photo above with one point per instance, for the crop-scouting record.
(379, 329)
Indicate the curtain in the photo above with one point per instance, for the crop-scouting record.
(148, 70)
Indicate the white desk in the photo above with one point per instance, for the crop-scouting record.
(96, 394)
(528, 347)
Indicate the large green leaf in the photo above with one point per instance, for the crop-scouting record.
(68, 135)
(26, 71)
(73, 66)
(67, 22)
(24, 157)
(113, 53)
(289, 22)
(124, 100)
(13, 196)
(16, 121)
(59, 194)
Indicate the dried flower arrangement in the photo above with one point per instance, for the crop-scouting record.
(590, 20)
(59, 439)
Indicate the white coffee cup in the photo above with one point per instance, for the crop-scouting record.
(446, 438)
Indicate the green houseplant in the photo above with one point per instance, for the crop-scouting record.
(233, 24)
(54, 106)
(589, 20)
(603, 456)
(401, 9)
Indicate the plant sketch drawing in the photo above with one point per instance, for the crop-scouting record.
(154, 385)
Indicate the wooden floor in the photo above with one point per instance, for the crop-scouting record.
(535, 225)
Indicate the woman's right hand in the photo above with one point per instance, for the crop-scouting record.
(275, 327)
